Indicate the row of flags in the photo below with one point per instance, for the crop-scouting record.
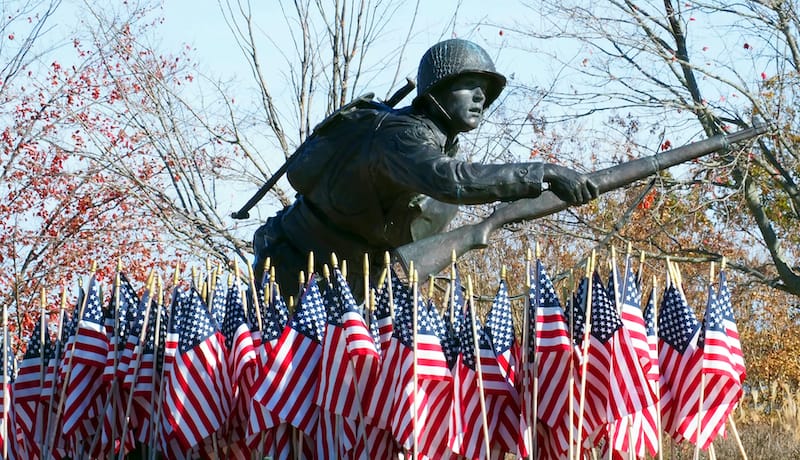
(228, 371)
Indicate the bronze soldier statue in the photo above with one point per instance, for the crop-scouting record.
(371, 179)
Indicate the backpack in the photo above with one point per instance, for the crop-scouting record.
(336, 138)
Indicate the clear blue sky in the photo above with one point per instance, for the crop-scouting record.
(201, 24)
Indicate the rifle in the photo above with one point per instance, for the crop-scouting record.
(434, 253)
(244, 212)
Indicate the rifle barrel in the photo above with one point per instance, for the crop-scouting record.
(433, 254)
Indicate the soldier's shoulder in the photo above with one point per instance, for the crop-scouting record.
(408, 125)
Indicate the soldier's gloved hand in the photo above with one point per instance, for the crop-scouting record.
(570, 185)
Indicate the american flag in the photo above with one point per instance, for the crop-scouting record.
(360, 348)
(612, 353)
(349, 364)
(378, 400)
(275, 317)
(501, 368)
(144, 380)
(51, 361)
(135, 323)
(465, 425)
(238, 338)
(593, 415)
(122, 312)
(276, 435)
(652, 438)
(55, 380)
(8, 428)
(552, 345)
(168, 350)
(67, 341)
(242, 366)
(382, 316)
(219, 298)
(88, 362)
(335, 434)
(576, 314)
(288, 386)
(630, 307)
(498, 364)
(123, 306)
(411, 408)
(28, 386)
(731, 330)
(642, 424)
(135, 370)
(649, 316)
(680, 362)
(433, 440)
(255, 302)
(138, 356)
(197, 393)
(721, 386)
(443, 328)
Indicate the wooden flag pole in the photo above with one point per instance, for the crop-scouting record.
(162, 381)
(657, 388)
(114, 382)
(387, 260)
(617, 289)
(6, 383)
(585, 349)
(365, 311)
(68, 371)
(631, 442)
(257, 305)
(326, 275)
(526, 397)
(477, 349)
(452, 297)
(415, 350)
(56, 357)
(736, 437)
(156, 345)
(109, 396)
(639, 276)
(138, 351)
(456, 375)
(362, 423)
(571, 376)
(533, 415)
(699, 429)
(43, 365)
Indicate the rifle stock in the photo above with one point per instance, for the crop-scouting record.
(434, 253)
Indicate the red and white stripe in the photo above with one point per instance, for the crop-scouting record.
(288, 387)
(197, 392)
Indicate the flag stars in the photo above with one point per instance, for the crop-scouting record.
(199, 324)
(92, 311)
(677, 324)
(234, 315)
(605, 318)
(309, 318)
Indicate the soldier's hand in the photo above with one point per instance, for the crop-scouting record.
(570, 185)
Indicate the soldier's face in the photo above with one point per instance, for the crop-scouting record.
(464, 100)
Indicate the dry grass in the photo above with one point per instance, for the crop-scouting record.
(768, 422)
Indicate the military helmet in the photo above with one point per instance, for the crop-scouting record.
(449, 59)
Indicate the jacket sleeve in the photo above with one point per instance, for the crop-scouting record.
(411, 158)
